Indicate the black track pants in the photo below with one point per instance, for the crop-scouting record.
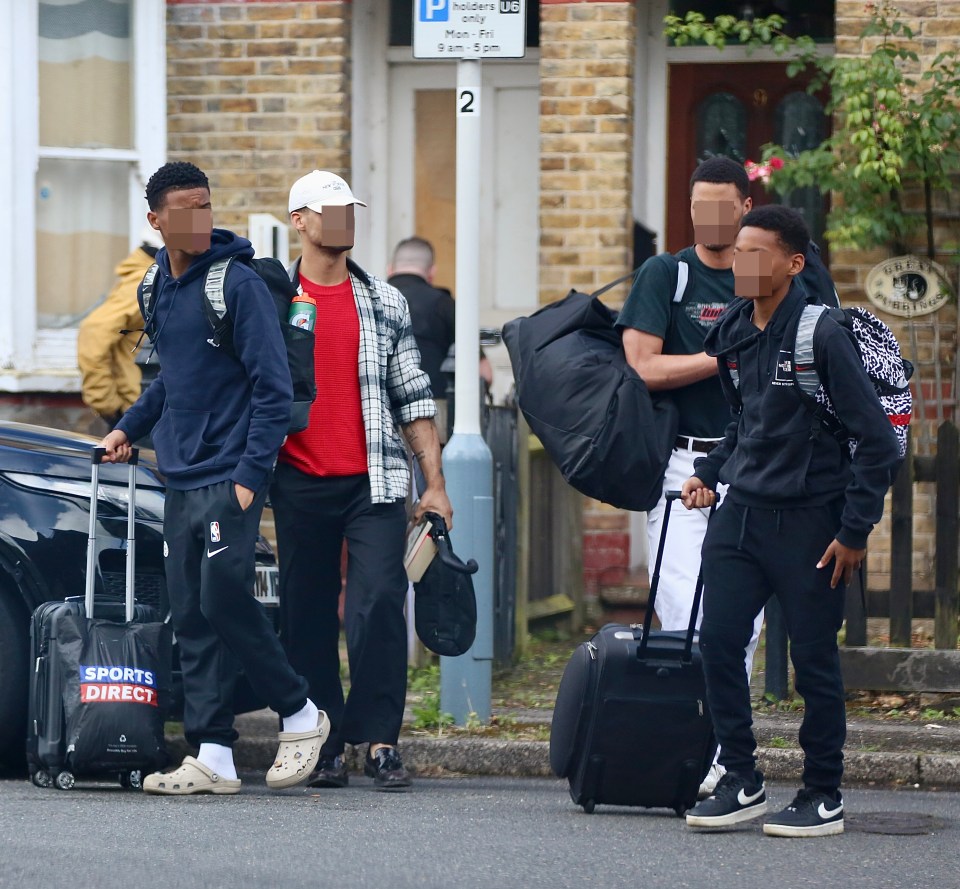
(750, 554)
(313, 518)
(210, 566)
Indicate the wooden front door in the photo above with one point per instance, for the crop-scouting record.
(734, 109)
(421, 158)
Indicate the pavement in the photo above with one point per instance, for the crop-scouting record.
(878, 752)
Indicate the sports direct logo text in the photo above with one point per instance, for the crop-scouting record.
(105, 685)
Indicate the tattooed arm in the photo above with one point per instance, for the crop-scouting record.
(424, 441)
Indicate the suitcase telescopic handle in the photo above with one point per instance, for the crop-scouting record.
(670, 497)
(96, 458)
(97, 454)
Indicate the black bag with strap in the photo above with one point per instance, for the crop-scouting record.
(594, 415)
(445, 612)
(298, 341)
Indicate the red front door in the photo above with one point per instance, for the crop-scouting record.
(734, 109)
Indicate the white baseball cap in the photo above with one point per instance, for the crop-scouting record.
(321, 188)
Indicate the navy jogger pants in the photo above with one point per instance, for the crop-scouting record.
(750, 554)
(209, 546)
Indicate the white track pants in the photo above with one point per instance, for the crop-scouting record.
(681, 555)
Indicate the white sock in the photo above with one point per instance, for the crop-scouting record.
(304, 720)
(218, 759)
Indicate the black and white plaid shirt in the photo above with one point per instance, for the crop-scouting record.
(394, 391)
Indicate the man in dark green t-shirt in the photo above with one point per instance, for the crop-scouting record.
(673, 302)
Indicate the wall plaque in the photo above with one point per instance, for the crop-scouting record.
(908, 286)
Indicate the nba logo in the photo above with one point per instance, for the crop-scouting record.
(434, 10)
(214, 532)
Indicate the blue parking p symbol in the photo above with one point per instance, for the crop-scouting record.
(434, 10)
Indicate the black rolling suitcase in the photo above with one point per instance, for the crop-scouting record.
(100, 677)
(631, 725)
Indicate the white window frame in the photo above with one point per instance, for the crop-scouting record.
(34, 359)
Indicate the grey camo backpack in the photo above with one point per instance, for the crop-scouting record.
(880, 353)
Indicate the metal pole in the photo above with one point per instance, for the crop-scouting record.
(467, 461)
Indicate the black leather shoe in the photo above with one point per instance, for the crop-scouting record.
(386, 769)
(331, 771)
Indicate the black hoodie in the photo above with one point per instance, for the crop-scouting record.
(215, 416)
(774, 454)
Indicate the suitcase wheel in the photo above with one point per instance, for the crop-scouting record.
(680, 810)
(41, 779)
(588, 806)
(65, 780)
(132, 780)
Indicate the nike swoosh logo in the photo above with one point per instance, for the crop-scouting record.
(211, 554)
(826, 814)
(745, 800)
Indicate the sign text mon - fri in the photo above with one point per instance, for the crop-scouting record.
(473, 29)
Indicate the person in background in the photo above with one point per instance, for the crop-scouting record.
(432, 309)
(107, 339)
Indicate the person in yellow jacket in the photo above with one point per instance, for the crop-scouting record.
(110, 377)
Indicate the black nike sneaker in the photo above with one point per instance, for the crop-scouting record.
(737, 798)
(812, 813)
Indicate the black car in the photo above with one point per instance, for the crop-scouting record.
(44, 523)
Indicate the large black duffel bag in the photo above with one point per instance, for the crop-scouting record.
(594, 415)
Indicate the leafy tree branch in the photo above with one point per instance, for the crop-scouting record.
(896, 127)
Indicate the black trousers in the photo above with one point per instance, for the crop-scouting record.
(750, 554)
(313, 517)
(209, 544)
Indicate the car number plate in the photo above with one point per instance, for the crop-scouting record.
(267, 586)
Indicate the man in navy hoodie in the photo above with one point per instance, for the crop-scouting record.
(794, 522)
(218, 418)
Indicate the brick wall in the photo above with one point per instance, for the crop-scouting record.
(586, 144)
(932, 344)
(257, 95)
(586, 180)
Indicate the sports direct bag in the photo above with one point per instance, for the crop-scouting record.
(445, 608)
(116, 675)
(99, 675)
(589, 408)
(298, 340)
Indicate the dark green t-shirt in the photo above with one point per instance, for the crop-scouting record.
(704, 412)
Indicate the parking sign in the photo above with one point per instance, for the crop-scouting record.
(469, 29)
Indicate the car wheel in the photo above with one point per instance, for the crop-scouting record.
(14, 646)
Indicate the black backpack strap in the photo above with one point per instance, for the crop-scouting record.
(613, 284)
(683, 276)
(215, 304)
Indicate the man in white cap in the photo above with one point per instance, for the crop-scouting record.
(345, 478)
(107, 339)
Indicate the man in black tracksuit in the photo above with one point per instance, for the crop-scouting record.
(218, 416)
(793, 524)
(432, 309)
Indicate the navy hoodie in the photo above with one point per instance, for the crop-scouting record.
(215, 416)
(774, 454)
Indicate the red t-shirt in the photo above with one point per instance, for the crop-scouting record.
(334, 443)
